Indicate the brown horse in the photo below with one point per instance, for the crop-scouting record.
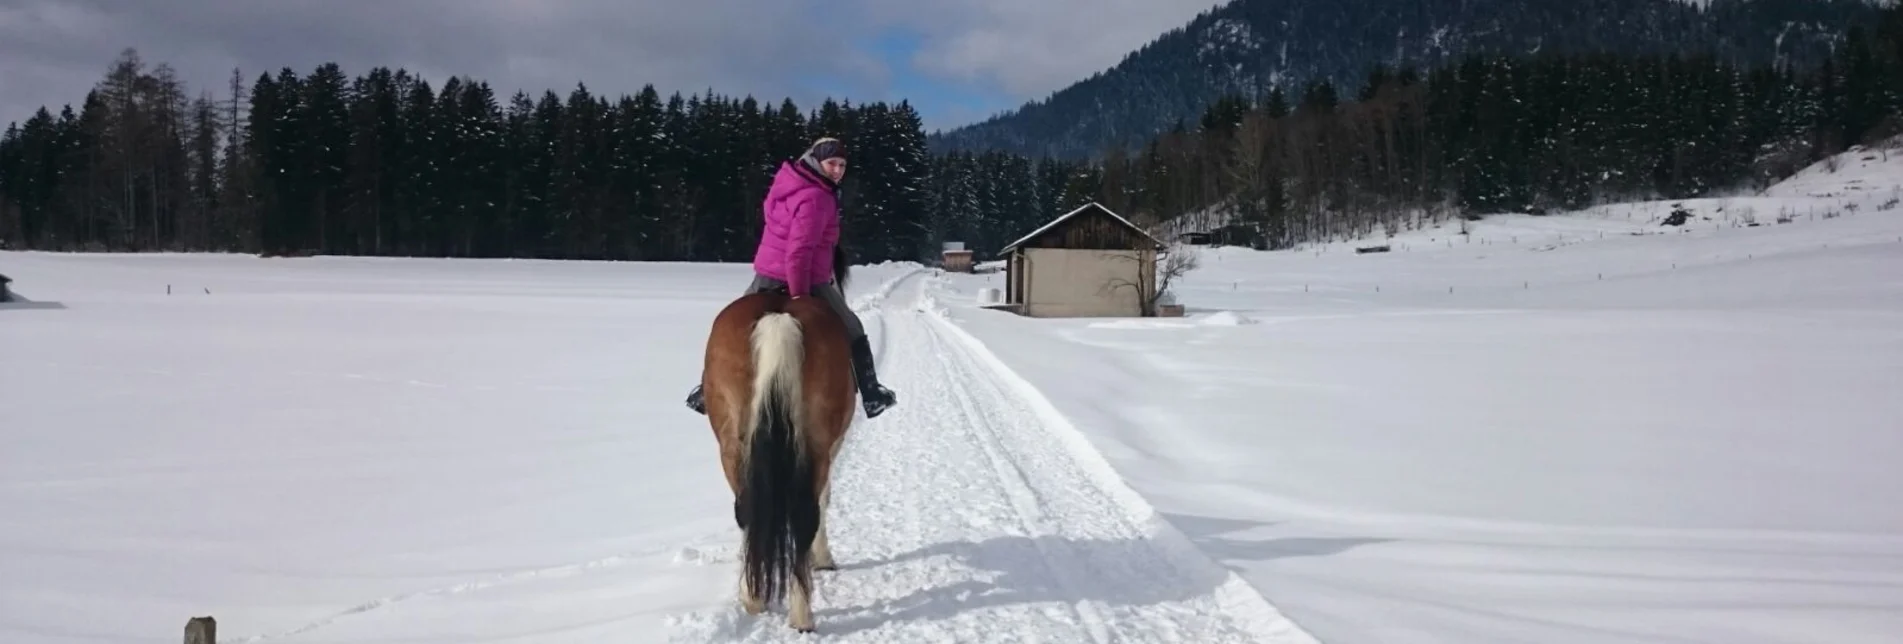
(779, 392)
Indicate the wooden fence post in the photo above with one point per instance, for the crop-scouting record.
(201, 630)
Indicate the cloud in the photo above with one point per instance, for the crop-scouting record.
(1030, 48)
(53, 51)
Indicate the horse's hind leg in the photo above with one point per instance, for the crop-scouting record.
(823, 554)
(806, 523)
(730, 461)
(822, 551)
(799, 605)
(749, 600)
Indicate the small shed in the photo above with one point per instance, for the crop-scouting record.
(1090, 262)
(956, 258)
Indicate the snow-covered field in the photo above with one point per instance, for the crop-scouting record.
(1549, 430)
(1676, 437)
(355, 450)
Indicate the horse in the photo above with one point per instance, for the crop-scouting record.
(780, 397)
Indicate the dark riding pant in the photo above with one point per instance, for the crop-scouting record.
(828, 292)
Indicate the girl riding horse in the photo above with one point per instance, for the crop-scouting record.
(796, 251)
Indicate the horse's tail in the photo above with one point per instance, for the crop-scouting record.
(841, 267)
(779, 501)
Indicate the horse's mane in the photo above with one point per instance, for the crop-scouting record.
(840, 267)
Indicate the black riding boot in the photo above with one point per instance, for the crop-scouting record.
(874, 396)
(697, 401)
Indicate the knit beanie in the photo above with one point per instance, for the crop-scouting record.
(825, 148)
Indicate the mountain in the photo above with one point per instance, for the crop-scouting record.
(1248, 47)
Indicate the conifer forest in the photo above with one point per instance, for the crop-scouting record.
(299, 162)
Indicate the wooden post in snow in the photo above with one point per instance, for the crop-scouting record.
(201, 630)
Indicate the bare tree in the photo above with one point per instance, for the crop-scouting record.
(1171, 265)
(1248, 168)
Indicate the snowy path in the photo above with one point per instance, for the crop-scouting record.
(972, 512)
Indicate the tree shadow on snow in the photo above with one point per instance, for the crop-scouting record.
(1056, 570)
(15, 301)
(1207, 533)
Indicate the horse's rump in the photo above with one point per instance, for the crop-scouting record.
(825, 359)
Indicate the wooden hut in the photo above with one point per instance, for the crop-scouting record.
(955, 258)
(1090, 262)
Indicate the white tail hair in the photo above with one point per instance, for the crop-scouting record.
(778, 357)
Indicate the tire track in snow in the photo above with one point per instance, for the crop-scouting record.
(562, 570)
(869, 308)
(1024, 499)
(971, 512)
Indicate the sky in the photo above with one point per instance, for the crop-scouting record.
(957, 61)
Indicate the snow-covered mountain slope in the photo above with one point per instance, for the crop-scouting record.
(1245, 47)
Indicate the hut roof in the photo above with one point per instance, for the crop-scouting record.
(1081, 210)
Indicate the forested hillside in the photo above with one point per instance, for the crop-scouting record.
(1249, 47)
(1510, 134)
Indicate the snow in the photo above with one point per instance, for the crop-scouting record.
(313, 443)
(1577, 428)
(353, 450)
(1035, 539)
(1534, 433)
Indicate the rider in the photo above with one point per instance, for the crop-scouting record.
(795, 255)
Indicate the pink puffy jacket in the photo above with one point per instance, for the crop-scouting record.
(802, 226)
